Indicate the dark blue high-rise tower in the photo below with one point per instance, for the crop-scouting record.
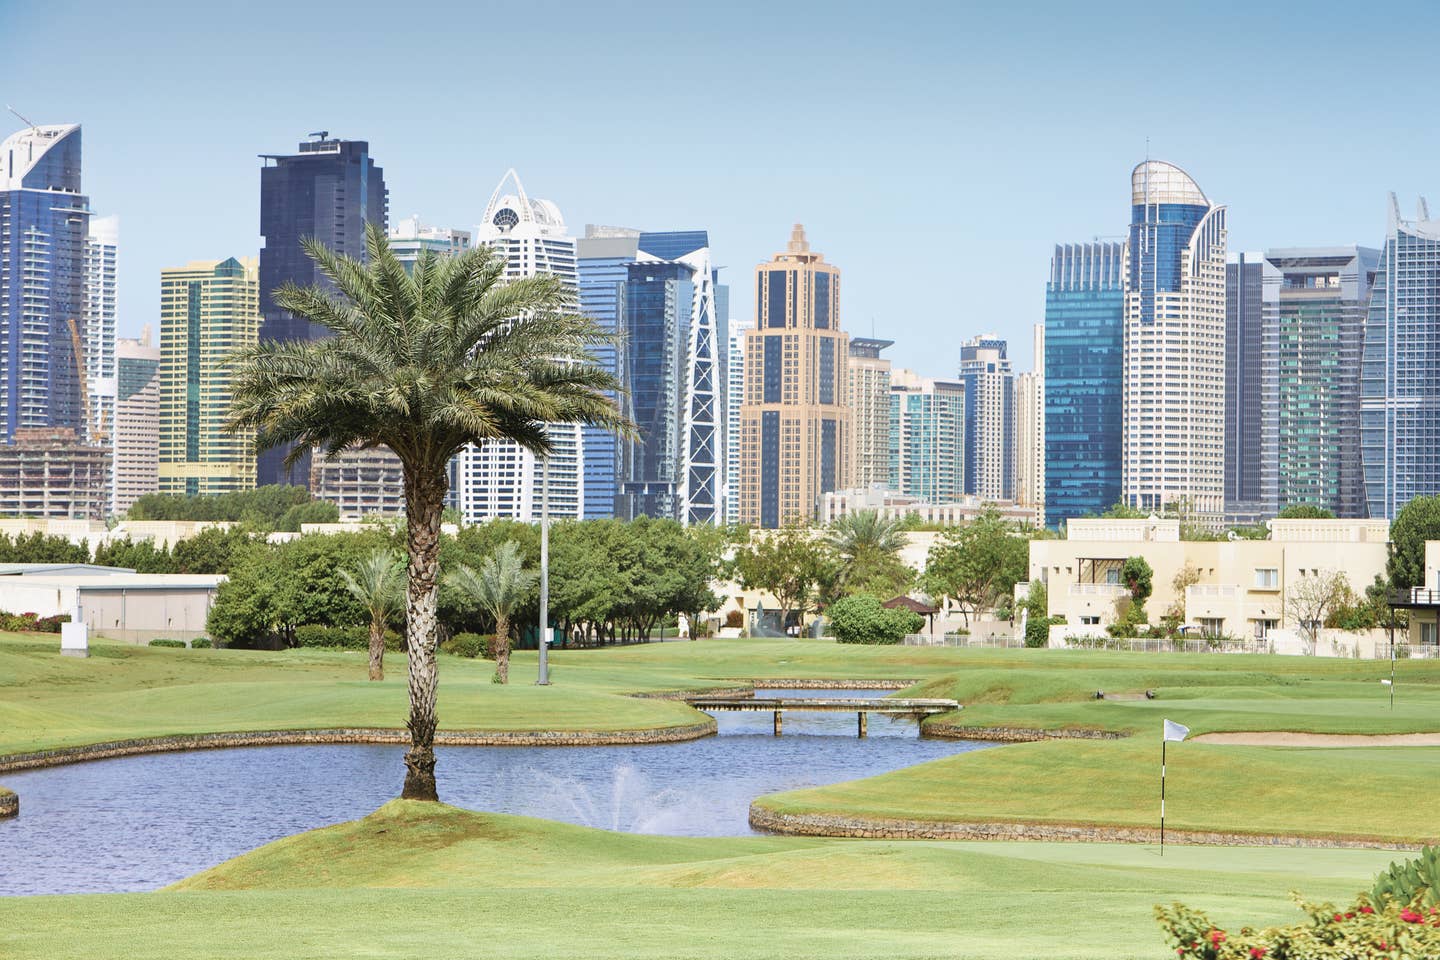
(1084, 364)
(328, 190)
(44, 222)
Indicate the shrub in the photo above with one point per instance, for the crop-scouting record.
(200, 643)
(1410, 882)
(32, 622)
(162, 642)
(470, 645)
(315, 636)
(1363, 930)
(735, 619)
(860, 618)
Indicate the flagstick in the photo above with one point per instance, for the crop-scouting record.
(1162, 796)
(1392, 675)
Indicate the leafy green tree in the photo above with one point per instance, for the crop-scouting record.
(211, 550)
(264, 507)
(978, 563)
(41, 548)
(1304, 511)
(423, 362)
(792, 564)
(1138, 578)
(1123, 511)
(1037, 620)
(861, 618)
(500, 585)
(378, 582)
(1417, 521)
(868, 547)
(142, 556)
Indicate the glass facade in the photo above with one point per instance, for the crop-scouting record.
(602, 264)
(927, 438)
(989, 418)
(44, 231)
(656, 311)
(1400, 376)
(328, 190)
(1084, 363)
(1244, 366)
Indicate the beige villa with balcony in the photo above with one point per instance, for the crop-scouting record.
(1239, 589)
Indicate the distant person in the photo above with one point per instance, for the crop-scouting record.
(682, 624)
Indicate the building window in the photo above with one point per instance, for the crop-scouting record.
(1263, 628)
(1428, 633)
(1212, 626)
(1267, 578)
(1090, 621)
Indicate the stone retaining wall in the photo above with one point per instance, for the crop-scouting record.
(687, 694)
(952, 731)
(9, 804)
(468, 738)
(831, 825)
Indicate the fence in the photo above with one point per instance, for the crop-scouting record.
(962, 640)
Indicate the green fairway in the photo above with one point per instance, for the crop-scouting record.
(420, 880)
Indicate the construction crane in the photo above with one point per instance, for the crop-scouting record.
(95, 432)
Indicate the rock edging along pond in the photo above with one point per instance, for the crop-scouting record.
(833, 825)
(260, 738)
(953, 731)
(9, 804)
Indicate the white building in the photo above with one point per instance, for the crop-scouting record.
(501, 479)
(1030, 431)
(1173, 453)
(989, 381)
(409, 237)
(734, 396)
(101, 246)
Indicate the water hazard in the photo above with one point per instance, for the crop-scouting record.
(138, 823)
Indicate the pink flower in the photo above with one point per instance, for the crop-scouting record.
(1367, 909)
(1257, 952)
(1217, 937)
(1410, 916)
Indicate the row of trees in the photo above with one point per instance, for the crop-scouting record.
(274, 507)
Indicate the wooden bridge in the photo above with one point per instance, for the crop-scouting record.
(861, 706)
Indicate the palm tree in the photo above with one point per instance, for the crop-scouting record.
(868, 545)
(378, 582)
(423, 362)
(500, 585)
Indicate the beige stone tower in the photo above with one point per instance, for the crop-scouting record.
(795, 439)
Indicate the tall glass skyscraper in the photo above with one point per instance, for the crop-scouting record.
(989, 418)
(1173, 451)
(1400, 378)
(328, 189)
(1315, 302)
(1084, 366)
(44, 226)
(602, 257)
(927, 437)
(1245, 433)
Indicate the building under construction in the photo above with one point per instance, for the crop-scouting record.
(49, 472)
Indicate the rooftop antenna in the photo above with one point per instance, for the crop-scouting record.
(28, 122)
(320, 134)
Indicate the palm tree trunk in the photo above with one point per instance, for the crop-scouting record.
(424, 501)
(377, 648)
(502, 648)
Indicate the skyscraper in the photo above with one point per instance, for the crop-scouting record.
(101, 249)
(926, 438)
(989, 417)
(1174, 380)
(1315, 301)
(44, 226)
(734, 397)
(869, 412)
(208, 309)
(603, 257)
(1400, 380)
(502, 479)
(136, 433)
(1245, 361)
(409, 238)
(795, 420)
(1030, 431)
(329, 190)
(1084, 365)
(670, 312)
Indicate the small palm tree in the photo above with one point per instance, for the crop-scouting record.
(378, 582)
(500, 586)
(423, 362)
(854, 535)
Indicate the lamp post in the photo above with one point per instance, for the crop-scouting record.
(544, 678)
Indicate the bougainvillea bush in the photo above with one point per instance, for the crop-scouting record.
(1395, 931)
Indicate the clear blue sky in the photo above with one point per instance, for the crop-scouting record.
(935, 152)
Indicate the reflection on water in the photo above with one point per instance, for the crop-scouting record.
(137, 823)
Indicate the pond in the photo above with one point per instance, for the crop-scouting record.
(138, 823)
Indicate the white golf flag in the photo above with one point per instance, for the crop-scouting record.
(1174, 731)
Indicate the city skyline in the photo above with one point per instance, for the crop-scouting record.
(972, 178)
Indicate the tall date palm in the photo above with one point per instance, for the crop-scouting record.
(423, 362)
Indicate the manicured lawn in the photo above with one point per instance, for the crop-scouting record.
(419, 880)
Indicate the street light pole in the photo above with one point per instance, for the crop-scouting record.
(544, 677)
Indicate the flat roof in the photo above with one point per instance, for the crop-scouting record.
(28, 569)
(131, 581)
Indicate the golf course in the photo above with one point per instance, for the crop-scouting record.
(415, 878)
